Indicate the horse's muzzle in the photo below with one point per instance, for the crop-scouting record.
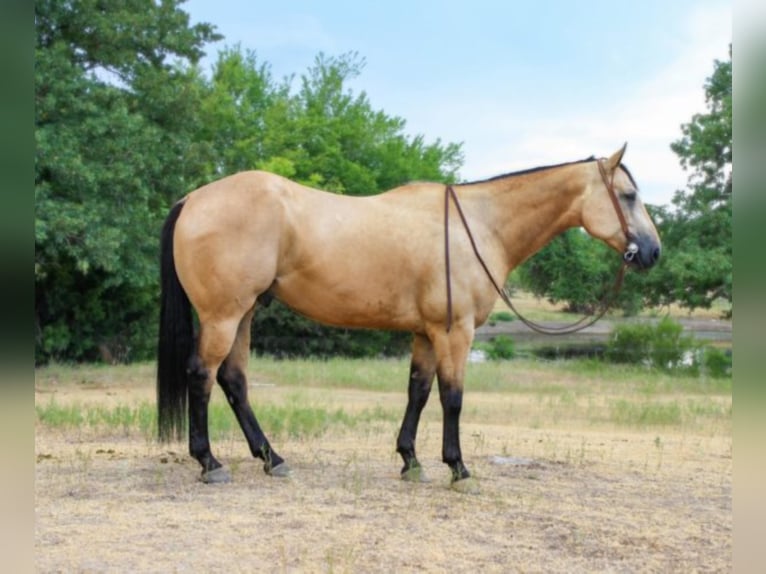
(642, 253)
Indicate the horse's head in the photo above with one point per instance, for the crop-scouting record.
(613, 212)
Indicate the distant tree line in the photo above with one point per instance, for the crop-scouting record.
(126, 123)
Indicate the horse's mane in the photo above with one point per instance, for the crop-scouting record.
(531, 170)
(544, 167)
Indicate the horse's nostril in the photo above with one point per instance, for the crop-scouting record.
(655, 254)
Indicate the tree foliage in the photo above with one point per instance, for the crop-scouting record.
(111, 88)
(322, 134)
(696, 267)
(126, 124)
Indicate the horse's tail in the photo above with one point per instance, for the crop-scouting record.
(176, 340)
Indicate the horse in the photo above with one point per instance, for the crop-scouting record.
(374, 262)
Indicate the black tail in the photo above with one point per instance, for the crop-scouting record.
(176, 340)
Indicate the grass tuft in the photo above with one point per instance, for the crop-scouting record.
(140, 418)
(296, 419)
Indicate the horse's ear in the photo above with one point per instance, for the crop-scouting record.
(616, 158)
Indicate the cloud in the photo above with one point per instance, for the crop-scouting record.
(649, 118)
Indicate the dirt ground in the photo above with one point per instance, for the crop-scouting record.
(550, 500)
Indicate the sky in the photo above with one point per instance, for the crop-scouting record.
(519, 84)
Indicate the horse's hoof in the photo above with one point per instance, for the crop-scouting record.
(415, 474)
(466, 486)
(280, 471)
(216, 476)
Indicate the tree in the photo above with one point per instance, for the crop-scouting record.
(335, 139)
(115, 94)
(579, 271)
(236, 112)
(696, 268)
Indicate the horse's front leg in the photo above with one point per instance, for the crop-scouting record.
(452, 355)
(451, 396)
(422, 371)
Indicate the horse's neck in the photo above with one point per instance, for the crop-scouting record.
(530, 210)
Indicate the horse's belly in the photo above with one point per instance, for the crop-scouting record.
(349, 305)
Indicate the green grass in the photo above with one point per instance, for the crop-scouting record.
(368, 374)
(140, 418)
(518, 375)
(631, 413)
(673, 413)
(296, 419)
(529, 392)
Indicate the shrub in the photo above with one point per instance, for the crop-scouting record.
(629, 343)
(501, 347)
(715, 362)
(503, 316)
(663, 346)
(669, 346)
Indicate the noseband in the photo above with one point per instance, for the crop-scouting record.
(586, 321)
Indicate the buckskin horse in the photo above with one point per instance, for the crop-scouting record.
(383, 262)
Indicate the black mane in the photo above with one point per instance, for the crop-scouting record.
(531, 170)
(544, 167)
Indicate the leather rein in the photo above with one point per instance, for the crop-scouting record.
(583, 322)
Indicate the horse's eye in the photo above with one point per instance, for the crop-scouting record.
(630, 195)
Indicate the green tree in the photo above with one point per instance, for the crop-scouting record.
(696, 268)
(237, 106)
(579, 271)
(115, 94)
(335, 139)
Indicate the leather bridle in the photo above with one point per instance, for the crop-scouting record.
(630, 252)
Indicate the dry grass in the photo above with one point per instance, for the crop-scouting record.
(566, 483)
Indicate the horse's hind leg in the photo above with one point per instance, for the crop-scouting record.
(422, 370)
(215, 342)
(231, 377)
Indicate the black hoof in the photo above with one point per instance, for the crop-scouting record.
(459, 471)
